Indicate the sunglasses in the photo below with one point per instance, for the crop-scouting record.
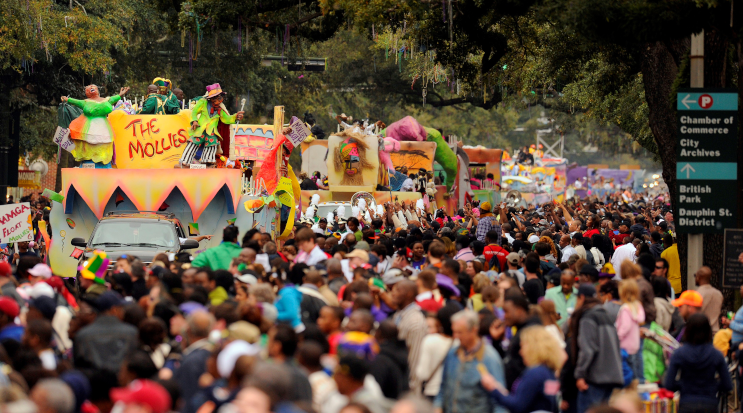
(660, 268)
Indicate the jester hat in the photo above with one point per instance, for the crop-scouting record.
(162, 83)
(95, 267)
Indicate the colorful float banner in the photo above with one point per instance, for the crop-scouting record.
(415, 155)
(577, 181)
(149, 141)
(603, 181)
(15, 223)
(147, 191)
(251, 142)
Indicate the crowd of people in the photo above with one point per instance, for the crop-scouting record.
(560, 307)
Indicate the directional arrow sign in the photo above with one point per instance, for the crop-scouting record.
(686, 101)
(687, 168)
(706, 160)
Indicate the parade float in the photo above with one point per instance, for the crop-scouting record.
(403, 148)
(543, 181)
(143, 173)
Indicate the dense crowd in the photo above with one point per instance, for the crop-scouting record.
(561, 307)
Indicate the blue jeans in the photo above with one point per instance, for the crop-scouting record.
(638, 367)
(596, 394)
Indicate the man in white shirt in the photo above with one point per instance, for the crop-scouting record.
(625, 252)
(309, 253)
(408, 185)
(567, 249)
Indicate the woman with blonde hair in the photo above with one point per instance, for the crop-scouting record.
(549, 316)
(631, 316)
(552, 256)
(479, 282)
(538, 386)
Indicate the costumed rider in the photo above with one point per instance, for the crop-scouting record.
(91, 131)
(205, 119)
(316, 131)
(160, 101)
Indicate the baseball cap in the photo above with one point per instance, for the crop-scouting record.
(533, 238)
(485, 206)
(393, 276)
(688, 297)
(248, 277)
(9, 306)
(363, 245)
(41, 270)
(587, 290)
(242, 330)
(5, 270)
(357, 253)
(47, 306)
(513, 258)
(145, 392)
(228, 356)
(109, 299)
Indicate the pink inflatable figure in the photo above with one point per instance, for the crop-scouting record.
(386, 147)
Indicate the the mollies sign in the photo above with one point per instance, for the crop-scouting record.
(15, 223)
(149, 141)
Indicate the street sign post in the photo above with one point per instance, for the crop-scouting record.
(706, 160)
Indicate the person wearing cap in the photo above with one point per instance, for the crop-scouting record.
(142, 396)
(355, 259)
(513, 270)
(206, 118)
(598, 364)
(39, 272)
(220, 257)
(7, 285)
(689, 303)
(9, 310)
(487, 222)
(564, 296)
(107, 341)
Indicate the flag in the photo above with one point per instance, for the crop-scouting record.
(76, 253)
(193, 229)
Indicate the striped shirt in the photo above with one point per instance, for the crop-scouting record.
(412, 327)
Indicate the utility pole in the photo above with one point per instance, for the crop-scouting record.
(694, 248)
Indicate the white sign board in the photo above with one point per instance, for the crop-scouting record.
(299, 131)
(62, 138)
(87, 165)
(197, 166)
(15, 223)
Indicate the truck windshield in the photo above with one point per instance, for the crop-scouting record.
(134, 233)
